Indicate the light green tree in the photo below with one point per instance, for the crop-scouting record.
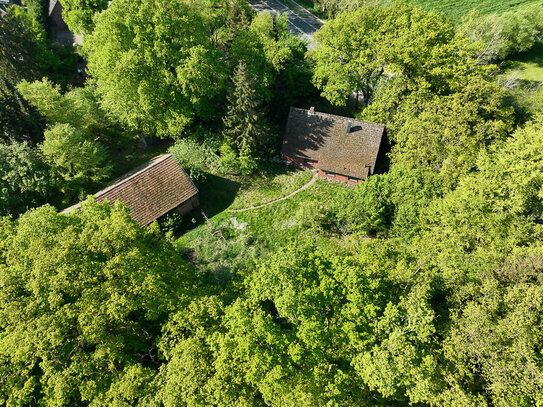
(80, 164)
(79, 107)
(155, 65)
(78, 14)
(447, 133)
(83, 298)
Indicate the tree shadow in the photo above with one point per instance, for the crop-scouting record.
(382, 164)
(215, 194)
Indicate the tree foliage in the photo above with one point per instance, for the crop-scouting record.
(17, 48)
(79, 107)
(155, 64)
(246, 129)
(376, 48)
(506, 34)
(24, 179)
(78, 14)
(80, 164)
(83, 297)
(19, 120)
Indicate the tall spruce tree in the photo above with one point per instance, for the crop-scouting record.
(246, 127)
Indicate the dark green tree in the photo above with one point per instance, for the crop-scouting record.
(246, 128)
(24, 179)
(19, 120)
(17, 49)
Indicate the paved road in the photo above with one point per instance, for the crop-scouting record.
(305, 27)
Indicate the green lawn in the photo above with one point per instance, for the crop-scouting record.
(454, 8)
(527, 66)
(459, 8)
(523, 76)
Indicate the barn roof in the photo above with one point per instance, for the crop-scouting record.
(150, 190)
(324, 138)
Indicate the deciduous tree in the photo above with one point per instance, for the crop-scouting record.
(83, 298)
(155, 64)
(80, 164)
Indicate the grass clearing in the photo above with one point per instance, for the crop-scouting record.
(230, 241)
(268, 188)
(523, 76)
(526, 66)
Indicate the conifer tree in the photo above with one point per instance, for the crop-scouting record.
(246, 129)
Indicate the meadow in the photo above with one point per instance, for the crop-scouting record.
(459, 8)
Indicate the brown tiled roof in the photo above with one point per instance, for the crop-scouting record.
(323, 137)
(151, 190)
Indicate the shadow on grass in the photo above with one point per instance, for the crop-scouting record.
(216, 194)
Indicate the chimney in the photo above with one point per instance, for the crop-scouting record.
(311, 111)
(349, 125)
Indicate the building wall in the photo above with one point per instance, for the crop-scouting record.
(338, 177)
(188, 206)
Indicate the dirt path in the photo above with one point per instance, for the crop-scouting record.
(280, 199)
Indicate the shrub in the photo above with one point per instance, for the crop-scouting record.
(196, 158)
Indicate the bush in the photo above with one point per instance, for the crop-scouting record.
(196, 158)
(170, 224)
(388, 204)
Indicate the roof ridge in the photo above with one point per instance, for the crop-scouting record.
(337, 116)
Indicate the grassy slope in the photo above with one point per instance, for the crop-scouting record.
(459, 8)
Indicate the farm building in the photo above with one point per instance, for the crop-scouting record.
(340, 148)
(152, 190)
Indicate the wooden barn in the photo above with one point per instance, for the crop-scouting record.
(340, 148)
(152, 190)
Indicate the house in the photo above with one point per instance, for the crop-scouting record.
(151, 190)
(58, 29)
(340, 148)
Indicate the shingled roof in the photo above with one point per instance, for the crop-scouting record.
(324, 138)
(150, 190)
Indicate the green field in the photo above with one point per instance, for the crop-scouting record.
(453, 8)
(459, 8)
